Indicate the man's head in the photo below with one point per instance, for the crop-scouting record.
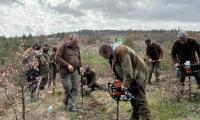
(45, 48)
(105, 51)
(35, 46)
(148, 42)
(54, 49)
(182, 36)
(73, 40)
(87, 70)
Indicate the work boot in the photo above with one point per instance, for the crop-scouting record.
(149, 82)
(65, 102)
(157, 80)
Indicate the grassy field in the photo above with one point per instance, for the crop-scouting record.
(100, 106)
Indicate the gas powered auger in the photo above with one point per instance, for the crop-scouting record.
(188, 70)
(118, 94)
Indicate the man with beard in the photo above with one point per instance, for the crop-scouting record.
(69, 58)
(185, 49)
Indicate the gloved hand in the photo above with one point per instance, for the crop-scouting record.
(124, 87)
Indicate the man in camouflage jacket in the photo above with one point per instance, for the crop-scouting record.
(31, 64)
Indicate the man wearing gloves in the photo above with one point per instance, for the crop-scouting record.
(184, 50)
(131, 70)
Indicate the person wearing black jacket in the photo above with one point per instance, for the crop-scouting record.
(90, 79)
(154, 53)
(185, 49)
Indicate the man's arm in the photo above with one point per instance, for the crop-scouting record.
(26, 55)
(79, 57)
(129, 73)
(93, 79)
(147, 53)
(197, 48)
(160, 50)
(173, 53)
(59, 57)
(51, 59)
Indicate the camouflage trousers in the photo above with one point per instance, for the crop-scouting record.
(154, 68)
(70, 86)
(140, 109)
(44, 81)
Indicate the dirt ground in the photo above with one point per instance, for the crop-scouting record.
(98, 105)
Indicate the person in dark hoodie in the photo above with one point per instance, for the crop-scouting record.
(155, 55)
(90, 79)
(185, 49)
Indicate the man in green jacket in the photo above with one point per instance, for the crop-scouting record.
(44, 66)
(52, 68)
(131, 70)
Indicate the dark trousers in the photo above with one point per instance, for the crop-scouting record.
(181, 77)
(140, 109)
(32, 84)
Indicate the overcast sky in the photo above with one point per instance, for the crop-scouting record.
(19, 17)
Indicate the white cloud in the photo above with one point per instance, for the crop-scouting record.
(50, 16)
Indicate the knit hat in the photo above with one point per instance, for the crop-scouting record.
(182, 34)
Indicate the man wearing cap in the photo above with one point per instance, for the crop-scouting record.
(184, 50)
